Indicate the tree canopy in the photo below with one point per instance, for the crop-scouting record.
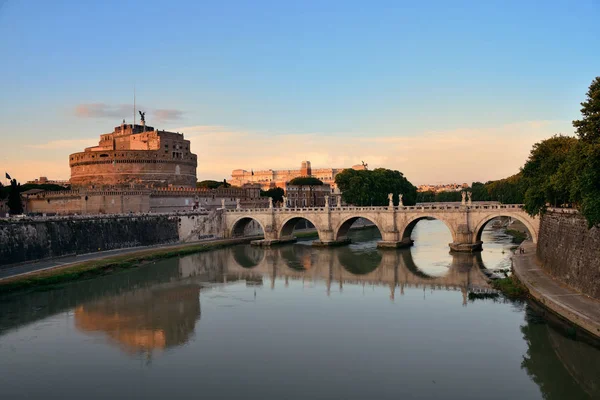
(371, 187)
(305, 181)
(275, 193)
(210, 184)
(14, 198)
(588, 127)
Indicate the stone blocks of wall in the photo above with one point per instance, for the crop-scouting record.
(570, 252)
(32, 240)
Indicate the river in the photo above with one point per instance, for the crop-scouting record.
(295, 322)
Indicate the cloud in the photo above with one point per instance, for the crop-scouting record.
(460, 155)
(163, 115)
(102, 110)
(67, 144)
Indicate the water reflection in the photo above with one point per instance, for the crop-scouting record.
(144, 320)
(306, 311)
(562, 367)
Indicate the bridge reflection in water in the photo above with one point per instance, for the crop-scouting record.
(158, 306)
(337, 267)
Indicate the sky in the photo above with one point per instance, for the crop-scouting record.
(443, 91)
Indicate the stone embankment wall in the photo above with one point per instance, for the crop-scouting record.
(36, 239)
(570, 252)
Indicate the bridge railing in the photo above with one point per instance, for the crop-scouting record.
(441, 207)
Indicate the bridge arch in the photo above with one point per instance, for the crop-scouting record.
(343, 227)
(410, 226)
(525, 220)
(239, 226)
(248, 257)
(288, 225)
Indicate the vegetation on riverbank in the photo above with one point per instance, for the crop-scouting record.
(306, 234)
(517, 236)
(45, 280)
(511, 287)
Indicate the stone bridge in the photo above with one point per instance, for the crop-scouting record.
(395, 223)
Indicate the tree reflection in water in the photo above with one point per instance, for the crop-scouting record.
(562, 367)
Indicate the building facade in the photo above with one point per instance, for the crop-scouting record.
(156, 200)
(135, 156)
(307, 196)
(268, 179)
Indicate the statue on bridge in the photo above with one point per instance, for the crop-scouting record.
(464, 196)
(326, 201)
(237, 204)
(470, 194)
(223, 204)
(339, 201)
(391, 200)
(270, 202)
(400, 202)
(285, 201)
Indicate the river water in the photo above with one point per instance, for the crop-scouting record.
(295, 322)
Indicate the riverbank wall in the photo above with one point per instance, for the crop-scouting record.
(569, 251)
(36, 239)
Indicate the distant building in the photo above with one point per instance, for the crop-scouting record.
(278, 178)
(42, 180)
(447, 187)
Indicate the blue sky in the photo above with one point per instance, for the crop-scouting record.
(259, 84)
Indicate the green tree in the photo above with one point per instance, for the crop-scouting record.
(510, 190)
(211, 184)
(275, 193)
(371, 187)
(588, 127)
(480, 192)
(540, 174)
(14, 198)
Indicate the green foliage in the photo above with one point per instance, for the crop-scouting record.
(366, 187)
(511, 288)
(14, 198)
(588, 127)
(210, 184)
(517, 236)
(45, 186)
(275, 193)
(306, 181)
(480, 192)
(540, 174)
(510, 190)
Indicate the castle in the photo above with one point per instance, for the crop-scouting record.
(135, 156)
(137, 169)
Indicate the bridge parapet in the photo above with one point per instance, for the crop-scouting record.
(465, 222)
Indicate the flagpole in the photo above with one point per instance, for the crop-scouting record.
(133, 127)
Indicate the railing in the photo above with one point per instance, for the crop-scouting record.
(446, 207)
(37, 218)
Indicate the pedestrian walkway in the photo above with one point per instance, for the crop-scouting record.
(563, 300)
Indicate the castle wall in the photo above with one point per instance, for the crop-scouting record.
(159, 200)
(570, 252)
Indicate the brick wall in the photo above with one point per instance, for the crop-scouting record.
(570, 252)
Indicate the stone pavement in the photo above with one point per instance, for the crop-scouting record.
(578, 308)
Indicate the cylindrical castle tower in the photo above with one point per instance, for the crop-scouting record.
(135, 156)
